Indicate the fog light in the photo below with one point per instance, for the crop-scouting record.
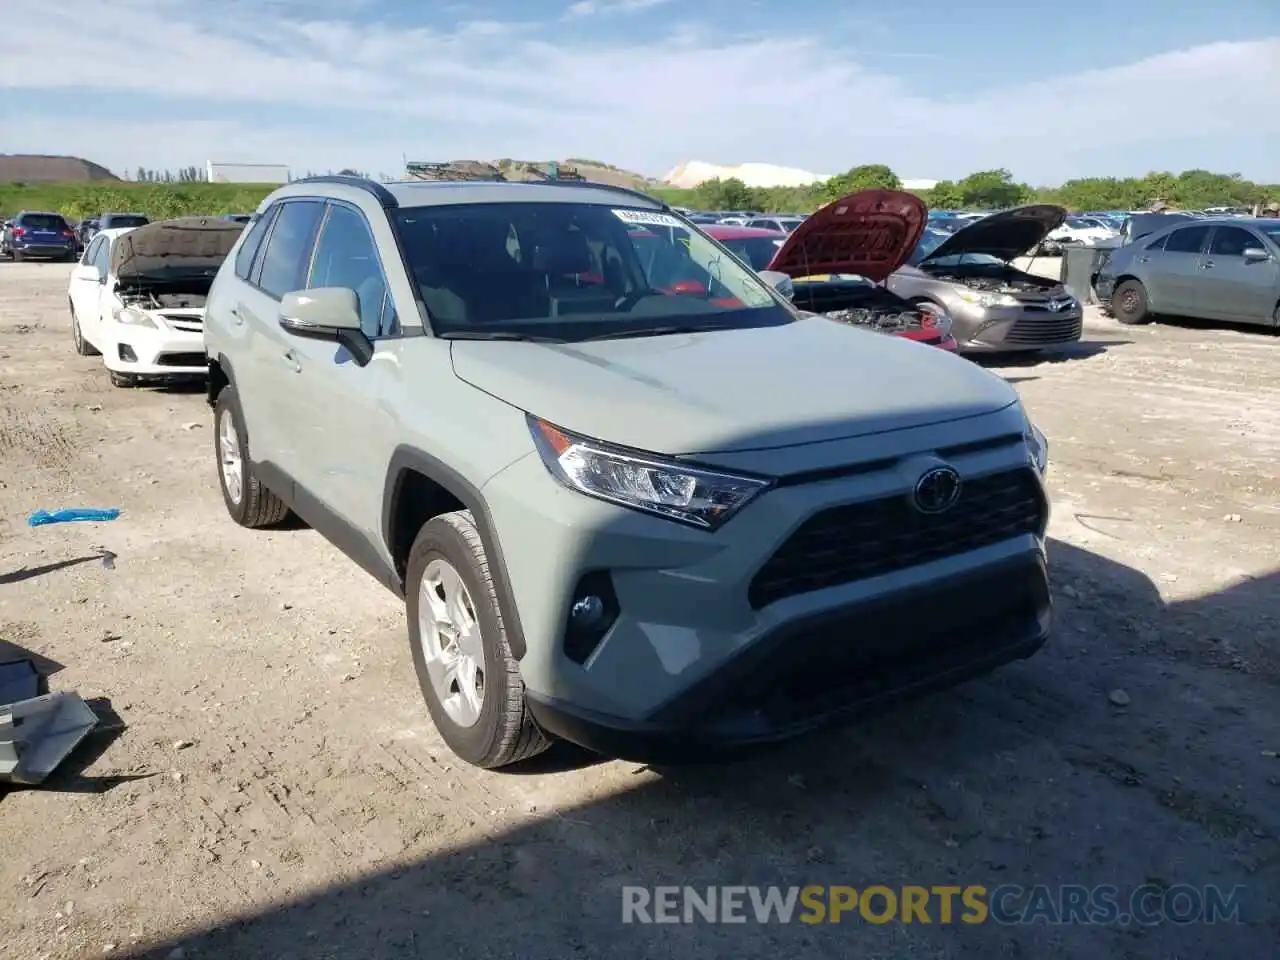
(125, 352)
(593, 610)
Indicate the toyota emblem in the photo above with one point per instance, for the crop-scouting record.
(937, 490)
(1055, 306)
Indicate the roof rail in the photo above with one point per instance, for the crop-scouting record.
(606, 186)
(383, 195)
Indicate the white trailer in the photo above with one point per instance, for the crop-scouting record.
(219, 172)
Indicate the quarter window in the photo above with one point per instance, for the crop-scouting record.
(252, 241)
(1158, 244)
(102, 258)
(1186, 240)
(288, 251)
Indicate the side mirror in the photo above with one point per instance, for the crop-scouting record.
(327, 313)
(780, 282)
(1255, 254)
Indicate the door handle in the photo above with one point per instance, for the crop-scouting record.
(291, 359)
(235, 315)
(1207, 265)
(1144, 259)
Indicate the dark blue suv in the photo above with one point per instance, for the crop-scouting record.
(39, 235)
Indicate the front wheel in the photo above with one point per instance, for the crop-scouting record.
(469, 678)
(83, 347)
(1129, 303)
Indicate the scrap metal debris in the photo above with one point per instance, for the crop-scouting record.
(38, 733)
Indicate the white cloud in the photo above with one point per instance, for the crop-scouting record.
(291, 82)
(587, 8)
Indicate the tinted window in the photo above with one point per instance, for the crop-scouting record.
(346, 256)
(1157, 244)
(249, 249)
(1273, 231)
(572, 270)
(42, 221)
(1232, 242)
(288, 252)
(1186, 240)
(124, 220)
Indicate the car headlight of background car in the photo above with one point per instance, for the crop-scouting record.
(980, 298)
(133, 317)
(941, 320)
(1037, 445)
(700, 498)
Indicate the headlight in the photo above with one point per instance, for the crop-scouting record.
(133, 317)
(700, 498)
(981, 299)
(1037, 445)
(941, 319)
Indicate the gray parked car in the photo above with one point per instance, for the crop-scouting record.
(1215, 269)
(993, 306)
(648, 521)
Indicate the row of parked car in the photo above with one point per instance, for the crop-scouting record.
(49, 235)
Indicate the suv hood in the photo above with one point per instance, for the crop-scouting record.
(870, 233)
(170, 249)
(733, 390)
(1006, 235)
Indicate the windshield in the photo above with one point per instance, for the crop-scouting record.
(116, 220)
(757, 251)
(1079, 223)
(575, 270)
(42, 221)
(930, 240)
(1271, 231)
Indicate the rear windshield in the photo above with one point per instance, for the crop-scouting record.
(42, 221)
(126, 220)
(757, 251)
(575, 270)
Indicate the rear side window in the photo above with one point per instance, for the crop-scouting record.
(287, 258)
(1186, 240)
(42, 221)
(1232, 242)
(249, 249)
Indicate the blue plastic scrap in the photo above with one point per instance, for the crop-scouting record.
(72, 515)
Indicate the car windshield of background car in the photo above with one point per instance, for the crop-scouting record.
(757, 251)
(573, 271)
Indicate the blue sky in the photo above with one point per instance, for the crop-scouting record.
(934, 88)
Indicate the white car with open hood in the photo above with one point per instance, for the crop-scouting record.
(137, 296)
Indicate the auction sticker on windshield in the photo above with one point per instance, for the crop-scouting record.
(649, 218)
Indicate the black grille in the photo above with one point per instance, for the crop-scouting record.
(182, 360)
(1046, 330)
(850, 543)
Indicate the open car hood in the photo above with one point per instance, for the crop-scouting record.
(1006, 235)
(870, 233)
(190, 246)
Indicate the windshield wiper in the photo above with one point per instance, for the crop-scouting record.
(497, 335)
(655, 332)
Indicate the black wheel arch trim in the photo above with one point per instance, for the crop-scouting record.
(406, 459)
(213, 388)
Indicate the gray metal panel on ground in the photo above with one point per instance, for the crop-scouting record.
(37, 734)
(1077, 271)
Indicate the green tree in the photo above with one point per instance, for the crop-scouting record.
(991, 190)
(868, 176)
(945, 195)
(730, 194)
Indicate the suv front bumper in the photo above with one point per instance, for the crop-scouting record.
(844, 663)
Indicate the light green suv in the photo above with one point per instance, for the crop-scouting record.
(630, 497)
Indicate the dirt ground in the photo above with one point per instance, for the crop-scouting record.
(278, 791)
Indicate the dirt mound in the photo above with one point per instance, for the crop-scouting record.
(37, 168)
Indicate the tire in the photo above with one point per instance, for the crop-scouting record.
(1129, 303)
(125, 380)
(501, 731)
(83, 347)
(250, 505)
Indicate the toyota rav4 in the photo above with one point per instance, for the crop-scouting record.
(655, 521)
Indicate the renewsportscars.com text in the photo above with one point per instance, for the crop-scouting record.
(973, 904)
